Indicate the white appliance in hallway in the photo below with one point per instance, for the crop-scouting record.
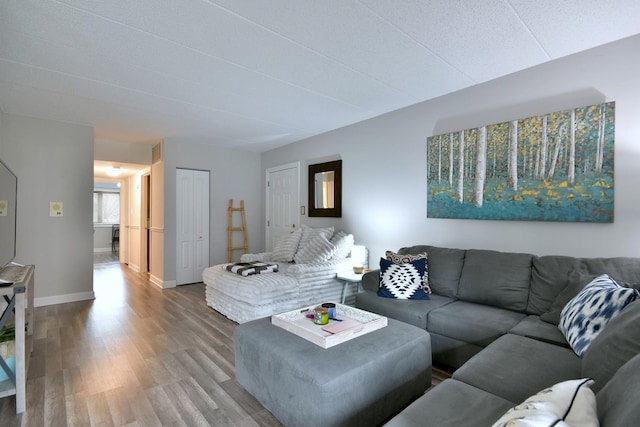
(192, 225)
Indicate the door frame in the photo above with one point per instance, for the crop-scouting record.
(269, 171)
(145, 221)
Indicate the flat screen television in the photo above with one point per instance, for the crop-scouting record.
(8, 199)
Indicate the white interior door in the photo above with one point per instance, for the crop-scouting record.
(283, 202)
(192, 225)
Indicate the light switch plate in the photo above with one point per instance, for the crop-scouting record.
(56, 209)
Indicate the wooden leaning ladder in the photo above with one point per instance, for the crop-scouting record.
(231, 229)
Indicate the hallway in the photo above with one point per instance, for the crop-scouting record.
(100, 258)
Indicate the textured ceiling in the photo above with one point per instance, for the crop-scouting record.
(258, 74)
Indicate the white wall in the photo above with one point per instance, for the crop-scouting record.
(102, 239)
(234, 175)
(384, 160)
(124, 152)
(53, 162)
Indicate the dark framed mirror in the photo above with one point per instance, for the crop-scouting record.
(325, 189)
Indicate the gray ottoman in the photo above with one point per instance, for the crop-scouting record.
(361, 382)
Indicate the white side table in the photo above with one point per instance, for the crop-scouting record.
(349, 277)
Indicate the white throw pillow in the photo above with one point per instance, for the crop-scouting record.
(569, 403)
(286, 247)
(308, 234)
(320, 249)
(343, 243)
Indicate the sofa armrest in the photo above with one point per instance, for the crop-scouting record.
(371, 281)
(328, 268)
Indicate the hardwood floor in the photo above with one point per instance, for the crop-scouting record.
(135, 356)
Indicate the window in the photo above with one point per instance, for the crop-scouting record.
(106, 207)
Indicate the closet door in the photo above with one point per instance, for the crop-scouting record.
(192, 225)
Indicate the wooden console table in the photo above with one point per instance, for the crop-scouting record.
(19, 299)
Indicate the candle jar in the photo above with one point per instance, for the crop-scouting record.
(321, 316)
(332, 309)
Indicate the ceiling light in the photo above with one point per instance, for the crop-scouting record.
(114, 171)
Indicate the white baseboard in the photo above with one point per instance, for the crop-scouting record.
(62, 299)
(102, 250)
(162, 284)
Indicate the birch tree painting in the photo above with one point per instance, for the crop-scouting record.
(553, 167)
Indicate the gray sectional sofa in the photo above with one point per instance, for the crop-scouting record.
(493, 318)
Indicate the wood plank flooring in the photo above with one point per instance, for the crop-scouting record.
(135, 356)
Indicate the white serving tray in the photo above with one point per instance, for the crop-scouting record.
(297, 323)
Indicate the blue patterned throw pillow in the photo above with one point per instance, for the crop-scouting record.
(402, 281)
(588, 313)
(405, 258)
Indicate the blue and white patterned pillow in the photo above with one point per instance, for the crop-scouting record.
(588, 313)
(402, 281)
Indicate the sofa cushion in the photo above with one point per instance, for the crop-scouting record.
(452, 403)
(614, 346)
(515, 367)
(571, 401)
(495, 278)
(617, 402)
(402, 281)
(450, 352)
(587, 314)
(576, 281)
(532, 327)
(445, 267)
(413, 312)
(472, 323)
(549, 276)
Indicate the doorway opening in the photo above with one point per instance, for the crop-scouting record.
(106, 221)
(127, 218)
